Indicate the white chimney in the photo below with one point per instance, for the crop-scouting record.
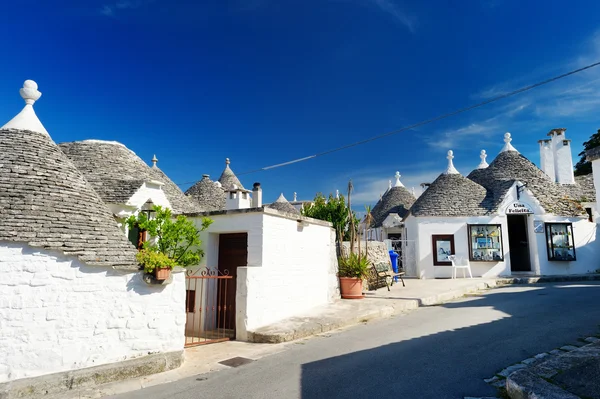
(256, 196)
(547, 158)
(563, 161)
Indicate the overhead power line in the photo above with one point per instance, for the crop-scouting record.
(425, 122)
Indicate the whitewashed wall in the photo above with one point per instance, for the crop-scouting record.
(291, 268)
(421, 229)
(586, 246)
(57, 314)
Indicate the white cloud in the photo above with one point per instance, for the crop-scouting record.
(391, 8)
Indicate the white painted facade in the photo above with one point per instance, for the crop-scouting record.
(587, 246)
(291, 265)
(556, 158)
(150, 191)
(57, 314)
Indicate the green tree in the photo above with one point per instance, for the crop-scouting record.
(584, 167)
(177, 238)
(332, 210)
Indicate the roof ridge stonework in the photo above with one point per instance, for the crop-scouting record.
(46, 202)
(116, 172)
(209, 195)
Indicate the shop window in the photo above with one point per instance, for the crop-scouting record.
(485, 242)
(443, 246)
(560, 243)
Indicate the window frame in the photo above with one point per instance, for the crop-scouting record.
(550, 245)
(441, 237)
(500, 242)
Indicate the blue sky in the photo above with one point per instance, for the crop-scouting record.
(268, 81)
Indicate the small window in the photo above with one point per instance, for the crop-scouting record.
(190, 301)
(443, 246)
(231, 195)
(137, 237)
(244, 195)
(589, 212)
(485, 242)
(565, 142)
(560, 242)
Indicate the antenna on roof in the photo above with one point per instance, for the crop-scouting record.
(483, 164)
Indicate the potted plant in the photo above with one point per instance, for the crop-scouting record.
(351, 272)
(175, 242)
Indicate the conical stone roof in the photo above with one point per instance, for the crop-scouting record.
(510, 166)
(283, 205)
(452, 195)
(45, 202)
(228, 179)
(116, 173)
(208, 194)
(396, 200)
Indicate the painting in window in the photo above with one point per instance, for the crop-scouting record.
(485, 242)
(443, 247)
(559, 241)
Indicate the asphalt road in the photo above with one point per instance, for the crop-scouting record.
(437, 352)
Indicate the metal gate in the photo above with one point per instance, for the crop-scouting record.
(407, 259)
(209, 307)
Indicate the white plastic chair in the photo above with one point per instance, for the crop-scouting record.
(460, 263)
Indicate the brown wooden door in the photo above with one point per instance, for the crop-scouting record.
(233, 252)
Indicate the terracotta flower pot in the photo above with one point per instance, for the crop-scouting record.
(351, 288)
(162, 273)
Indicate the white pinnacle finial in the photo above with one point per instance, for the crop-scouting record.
(413, 192)
(508, 146)
(154, 161)
(295, 196)
(483, 164)
(337, 194)
(397, 176)
(227, 162)
(27, 119)
(389, 184)
(451, 170)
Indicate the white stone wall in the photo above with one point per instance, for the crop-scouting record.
(57, 314)
(291, 267)
(587, 248)
(421, 230)
(547, 158)
(563, 159)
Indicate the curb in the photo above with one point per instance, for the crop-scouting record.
(304, 327)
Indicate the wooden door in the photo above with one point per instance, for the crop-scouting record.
(233, 252)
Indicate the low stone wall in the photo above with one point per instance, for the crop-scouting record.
(378, 253)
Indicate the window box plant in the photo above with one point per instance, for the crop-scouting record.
(175, 242)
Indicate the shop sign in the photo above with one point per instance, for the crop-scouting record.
(518, 208)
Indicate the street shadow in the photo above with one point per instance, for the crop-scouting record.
(451, 361)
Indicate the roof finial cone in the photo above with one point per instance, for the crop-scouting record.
(295, 196)
(483, 164)
(227, 162)
(389, 184)
(451, 170)
(398, 183)
(30, 92)
(154, 161)
(337, 194)
(508, 146)
(27, 119)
